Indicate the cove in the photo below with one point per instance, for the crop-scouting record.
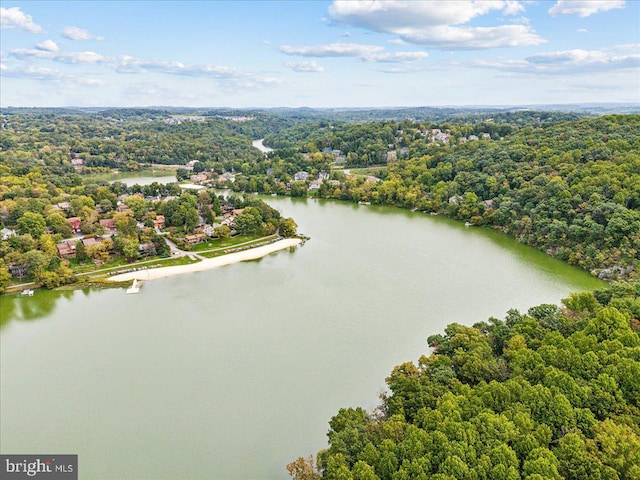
(234, 372)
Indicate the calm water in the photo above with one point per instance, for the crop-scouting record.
(234, 372)
(129, 181)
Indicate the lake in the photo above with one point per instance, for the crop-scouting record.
(232, 373)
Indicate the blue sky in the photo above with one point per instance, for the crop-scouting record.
(350, 53)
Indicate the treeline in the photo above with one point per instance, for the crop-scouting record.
(112, 140)
(365, 144)
(550, 394)
(570, 189)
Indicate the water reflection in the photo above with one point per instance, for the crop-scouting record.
(15, 307)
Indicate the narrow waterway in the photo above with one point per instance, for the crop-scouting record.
(234, 372)
(260, 146)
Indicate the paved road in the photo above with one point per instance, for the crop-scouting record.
(177, 253)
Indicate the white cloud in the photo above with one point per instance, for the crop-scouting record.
(366, 53)
(582, 30)
(15, 18)
(584, 8)
(239, 78)
(62, 57)
(438, 26)
(76, 33)
(305, 67)
(332, 50)
(47, 74)
(397, 57)
(570, 62)
(48, 46)
(91, 81)
(129, 64)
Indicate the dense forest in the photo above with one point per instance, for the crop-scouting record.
(571, 189)
(550, 394)
(111, 140)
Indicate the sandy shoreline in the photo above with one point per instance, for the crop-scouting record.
(207, 264)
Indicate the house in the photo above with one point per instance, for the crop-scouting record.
(334, 183)
(404, 151)
(18, 270)
(199, 178)
(108, 224)
(336, 153)
(63, 205)
(123, 208)
(77, 162)
(315, 185)
(158, 222)
(227, 209)
(90, 242)
(147, 249)
(392, 156)
(488, 204)
(7, 233)
(486, 136)
(208, 230)
(75, 223)
(439, 136)
(340, 160)
(193, 239)
(473, 137)
(67, 249)
(323, 176)
(269, 172)
(227, 177)
(300, 176)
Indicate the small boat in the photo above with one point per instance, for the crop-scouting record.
(134, 288)
(27, 293)
(433, 213)
(469, 224)
(364, 203)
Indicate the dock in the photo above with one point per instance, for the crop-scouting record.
(134, 288)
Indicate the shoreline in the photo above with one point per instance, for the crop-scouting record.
(206, 264)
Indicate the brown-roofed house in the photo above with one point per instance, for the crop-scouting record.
(108, 224)
(90, 242)
(75, 223)
(193, 239)
(158, 222)
(67, 248)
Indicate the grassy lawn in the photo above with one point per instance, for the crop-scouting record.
(226, 243)
(369, 171)
(166, 262)
(109, 177)
(89, 266)
(240, 240)
(121, 264)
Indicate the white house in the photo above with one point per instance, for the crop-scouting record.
(7, 233)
